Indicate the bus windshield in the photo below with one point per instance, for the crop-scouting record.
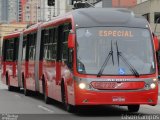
(114, 51)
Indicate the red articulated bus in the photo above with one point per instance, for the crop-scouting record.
(86, 57)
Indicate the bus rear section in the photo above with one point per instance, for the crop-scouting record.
(115, 60)
(10, 60)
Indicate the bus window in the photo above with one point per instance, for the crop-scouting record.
(9, 49)
(4, 50)
(46, 45)
(24, 48)
(42, 45)
(49, 44)
(59, 42)
(53, 47)
(66, 53)
(16, 44)
(46, 41)
(31, 39)
(64, 43)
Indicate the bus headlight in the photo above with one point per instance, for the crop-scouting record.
(152, 85)
(82, 85)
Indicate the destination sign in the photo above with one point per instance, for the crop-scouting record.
(114, 33)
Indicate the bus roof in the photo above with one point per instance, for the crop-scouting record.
(57, 20)
(32, 28)
(12, 35)
(99, 17)
(90, 17)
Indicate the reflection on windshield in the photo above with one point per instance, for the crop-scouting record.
(119, 54)
(94, 45)
(106, 61)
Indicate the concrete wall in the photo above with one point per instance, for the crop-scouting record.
(13, 10)
(149, 7)
(124, 3)
(119, 3)
(9, 11)
(140, 1)
(106, 3)
(4, 11)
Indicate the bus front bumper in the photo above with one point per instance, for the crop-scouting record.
(87, 97)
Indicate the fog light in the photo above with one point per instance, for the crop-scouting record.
(155, 79)
(82, 85)
(153, 86)
(147, 86)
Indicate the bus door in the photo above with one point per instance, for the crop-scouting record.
(30, 61)
(62, 54)
(48, 59)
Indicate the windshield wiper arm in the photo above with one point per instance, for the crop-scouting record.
(106, 61)
(119, 54)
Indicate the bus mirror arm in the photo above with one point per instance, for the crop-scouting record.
(71, 40)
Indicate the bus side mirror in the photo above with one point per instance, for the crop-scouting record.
(156, 43)
(71, 40)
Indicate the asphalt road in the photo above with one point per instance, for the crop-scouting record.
(33, 108)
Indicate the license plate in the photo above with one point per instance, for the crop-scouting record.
(118, 99)
(104, 85)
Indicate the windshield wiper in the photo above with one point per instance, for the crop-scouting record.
(119, 54)
(106, 61)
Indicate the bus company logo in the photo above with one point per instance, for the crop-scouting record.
(118, 85)
(117, 80)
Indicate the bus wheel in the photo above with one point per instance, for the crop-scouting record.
(67, 106)
(133, 108)
(18, 88)
(46, 98)
(70, 108)
(26, 92)
(10, 88)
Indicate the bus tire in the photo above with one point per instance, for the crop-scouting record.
(23, 80)
(46, 98)
(17, 89)
(133, 108)
(67, 106)
(10, 88)
(26, 92)
(70, 108)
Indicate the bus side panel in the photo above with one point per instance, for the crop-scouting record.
(58, 81)
(11, 70)
(30, 82)
(49, 73)
(14, 78)
(69, 82)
